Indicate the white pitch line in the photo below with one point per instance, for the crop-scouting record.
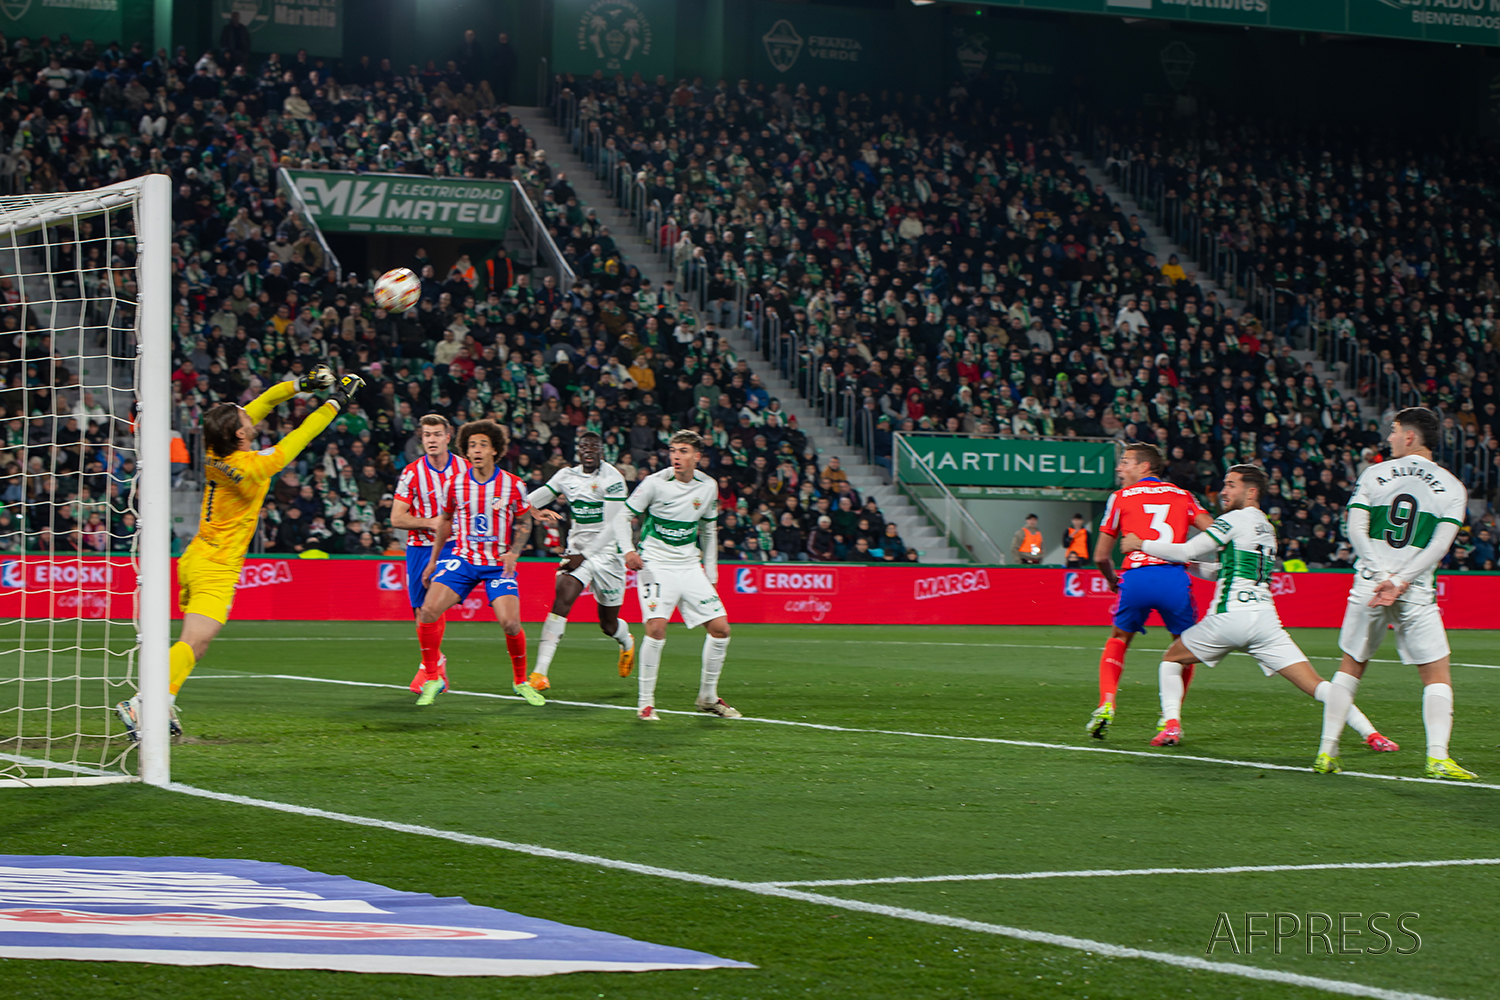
(1114, 872)
(878, 732)
(766, 889)
(775, 638)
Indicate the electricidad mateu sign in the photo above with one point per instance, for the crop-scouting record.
(1030, 462)
(405, 204)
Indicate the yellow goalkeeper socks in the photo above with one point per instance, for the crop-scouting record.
(183, 662)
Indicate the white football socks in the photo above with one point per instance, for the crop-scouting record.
(552, 633)
(713, 665)
(1169, 677)
(622, 634)
(646, 675)
(1437, 716)
(1337, 702)
(1357, 719)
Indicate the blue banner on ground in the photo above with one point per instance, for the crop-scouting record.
(198, 911)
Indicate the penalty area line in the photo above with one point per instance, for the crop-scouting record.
(773, 638)
(1086, 945)
(1036, 744)
(1115, 872)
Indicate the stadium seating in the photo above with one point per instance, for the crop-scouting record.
(932, 265)
(950, 268)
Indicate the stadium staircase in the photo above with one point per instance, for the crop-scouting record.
(869, 480)
(1159, 243)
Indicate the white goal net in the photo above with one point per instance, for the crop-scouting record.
(85, 318)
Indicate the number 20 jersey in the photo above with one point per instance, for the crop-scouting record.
(1152, 510)
(1407, 499)
(483, 514)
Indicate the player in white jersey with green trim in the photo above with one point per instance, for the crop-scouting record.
(674, 571)
(1402, 519)
(595, 493)
(1242, 616)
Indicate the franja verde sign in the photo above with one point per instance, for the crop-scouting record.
(405, 204)
(1029, 462)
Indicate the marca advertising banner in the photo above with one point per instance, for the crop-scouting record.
(615, 36)
(763, 593)
(211, 911)
(286, 25)
(803, 43)
(965, 461)
(1475, 22)
(405, 204)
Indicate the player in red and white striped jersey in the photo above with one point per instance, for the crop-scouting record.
(486, 514)
(420, 495)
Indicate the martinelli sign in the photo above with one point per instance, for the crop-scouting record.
(1028, 462)
(405, 204)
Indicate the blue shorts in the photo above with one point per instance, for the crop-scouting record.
(1166, 589)
(416, 565)
(461, 576)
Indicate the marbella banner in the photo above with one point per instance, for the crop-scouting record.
(210, 911)
(1033, 462)
(406, 204)
(287, 25)
(615, 36)
(283, 589)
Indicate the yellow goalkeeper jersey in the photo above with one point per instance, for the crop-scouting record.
(237, 483)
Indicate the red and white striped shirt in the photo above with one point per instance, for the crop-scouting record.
(424, 491)
(483, 514)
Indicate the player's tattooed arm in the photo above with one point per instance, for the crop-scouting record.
(519, 537)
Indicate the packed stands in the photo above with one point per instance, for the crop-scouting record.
(941, 266)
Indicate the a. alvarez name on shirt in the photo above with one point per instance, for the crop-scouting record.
(1414, 472)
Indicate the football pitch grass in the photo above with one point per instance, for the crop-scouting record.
(871, 757)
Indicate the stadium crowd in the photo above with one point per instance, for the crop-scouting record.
(946, 266)
(953, 268)
(1380, 256)
(256, 300)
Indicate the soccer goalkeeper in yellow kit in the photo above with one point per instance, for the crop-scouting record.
(237, 479)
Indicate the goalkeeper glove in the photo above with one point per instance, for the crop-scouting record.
(320, 379)
(345, 388)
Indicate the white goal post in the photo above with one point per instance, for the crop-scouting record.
(86, 327)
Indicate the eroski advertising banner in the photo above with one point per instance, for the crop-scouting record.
(204, 911)
(375, 590)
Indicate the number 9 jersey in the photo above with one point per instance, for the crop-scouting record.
(1407, 498)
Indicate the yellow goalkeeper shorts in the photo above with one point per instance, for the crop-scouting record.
(205, 587)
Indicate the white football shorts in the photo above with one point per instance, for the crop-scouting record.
(1259, 633)
(1420, 636)
(605, 577)
(685, 588)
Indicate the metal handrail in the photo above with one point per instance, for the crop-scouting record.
(541, 238)
(945, 509)
(295, 197)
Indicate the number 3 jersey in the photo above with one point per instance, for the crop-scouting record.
(1153, 511)
(1247, 554)
(483, 515)
(1407, 498)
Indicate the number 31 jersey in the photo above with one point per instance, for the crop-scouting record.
(1407, 499)
(1152, 510)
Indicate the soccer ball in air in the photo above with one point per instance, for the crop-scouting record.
(398, 290)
